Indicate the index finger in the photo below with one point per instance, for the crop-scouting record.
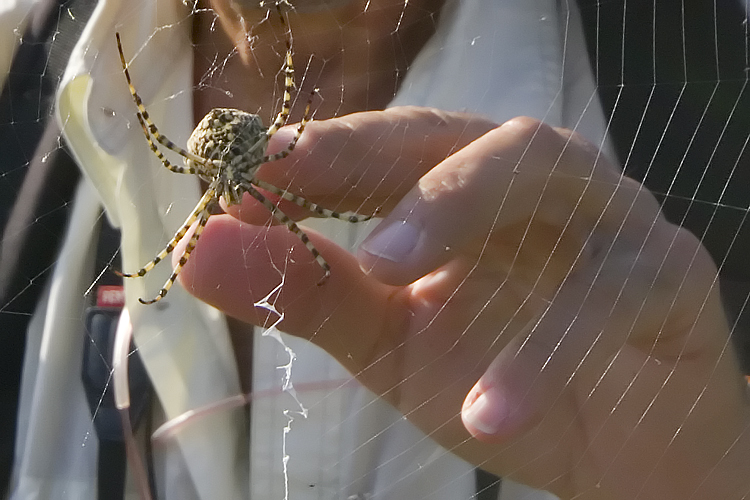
(362, 162)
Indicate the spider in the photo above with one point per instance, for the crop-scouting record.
(226, 149)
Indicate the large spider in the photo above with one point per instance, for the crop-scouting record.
(226, 149)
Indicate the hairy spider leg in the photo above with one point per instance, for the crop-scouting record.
(280, 216)
(286, 105)
(150, 129)
(202, 220)
(306, 118)
(302, 202)
(171, 166)
(312, 207)
(288, 70)
(205, 200)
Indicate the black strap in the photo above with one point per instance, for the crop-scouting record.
(487, 485)
(691, 167)
(681, 129)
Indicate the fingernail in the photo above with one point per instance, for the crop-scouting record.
(488, 412)
(394, 242)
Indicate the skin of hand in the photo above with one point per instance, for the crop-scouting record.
(522, 302)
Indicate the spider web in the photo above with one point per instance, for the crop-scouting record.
(240, 413)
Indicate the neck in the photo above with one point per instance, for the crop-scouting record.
(239, 52)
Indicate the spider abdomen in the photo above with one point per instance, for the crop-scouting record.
(236, 138)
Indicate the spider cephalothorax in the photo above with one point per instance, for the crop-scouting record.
(226, 149)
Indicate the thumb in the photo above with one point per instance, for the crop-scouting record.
(534, 378)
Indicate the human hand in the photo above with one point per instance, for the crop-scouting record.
(517, 257)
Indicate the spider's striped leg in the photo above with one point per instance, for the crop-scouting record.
(293, 227)
(286, 105)
(300, 128)
(288, 70)
(203, 218)
(178, 169)
(149, 127)
(312, 207)
(199, 209)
